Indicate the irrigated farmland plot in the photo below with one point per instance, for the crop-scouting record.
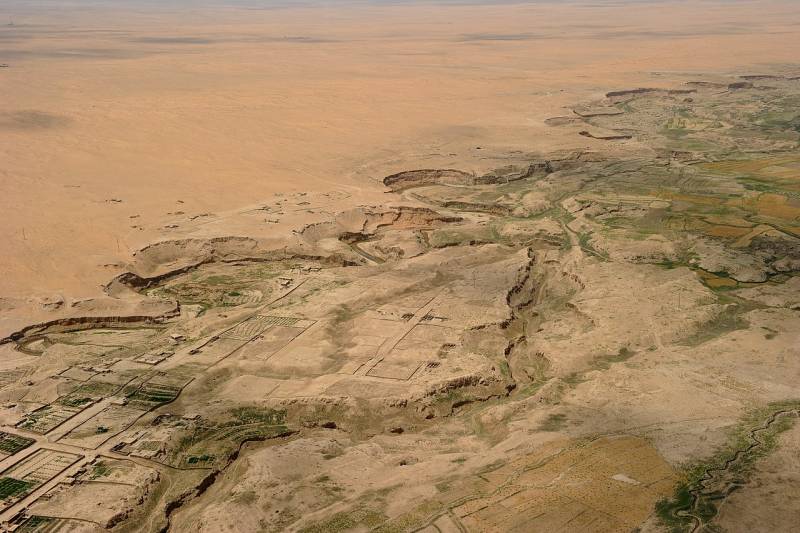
(19, 480)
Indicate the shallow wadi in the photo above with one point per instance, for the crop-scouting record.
(399, 266)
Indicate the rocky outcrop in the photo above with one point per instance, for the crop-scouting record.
(751, 77)
(605, 136)
(647, 90)
(419, 178)
(100, 313)
(715, 257)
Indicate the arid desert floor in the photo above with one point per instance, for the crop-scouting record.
(413, 266)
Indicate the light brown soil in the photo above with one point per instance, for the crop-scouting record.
(399, 267)
(203, 111)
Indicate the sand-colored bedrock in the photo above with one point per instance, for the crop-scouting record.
(413, 266)
(125, 122)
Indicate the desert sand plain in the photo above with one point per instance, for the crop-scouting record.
(412, 266)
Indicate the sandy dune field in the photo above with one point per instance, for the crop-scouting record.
(119, 123)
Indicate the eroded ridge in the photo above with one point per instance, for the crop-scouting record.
(544, 346)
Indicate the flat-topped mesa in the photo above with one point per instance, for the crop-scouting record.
(164, 260)
(630, 92)
(605, 136)
(514, 173)
(740, 85)
(167, 257)
(762, 77)
(429, 176)
(564, 121)
(597, 111)
(367, 221)
(413, 217)
(707, 84)
(420, 178)
(98, 313)
(614, 95)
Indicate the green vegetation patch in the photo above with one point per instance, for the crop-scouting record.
(751, 440)
(213, 289)
(35, 524)
(151, 395)
(731, 318)
(87, 393)
(256, 415)
(456, 237)
(11, 487)
(201, 446)
(349, 520)
(197, 460)
(11, 444)
(33, 419)
(554, 422)
(157, 394)
(75, 401)
(605, 362)
(100, 469)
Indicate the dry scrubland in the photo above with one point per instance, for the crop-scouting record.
(441, 272)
